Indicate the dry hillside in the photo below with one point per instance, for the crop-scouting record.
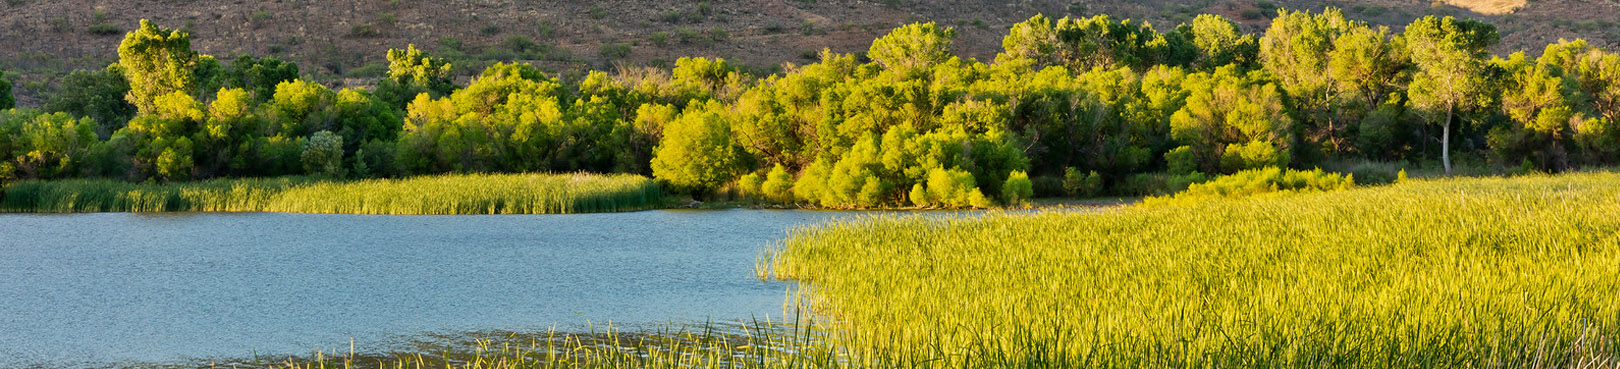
(343, 41)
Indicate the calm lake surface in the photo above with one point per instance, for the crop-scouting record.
(112, 289)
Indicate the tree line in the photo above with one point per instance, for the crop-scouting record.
(1077, 106)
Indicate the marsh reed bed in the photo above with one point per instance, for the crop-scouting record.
(430, 195)
(1464, 273)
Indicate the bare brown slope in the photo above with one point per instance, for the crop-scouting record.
(335, 40)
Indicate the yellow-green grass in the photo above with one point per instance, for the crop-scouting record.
(1460, 273)
(753, 345)
(448, 194)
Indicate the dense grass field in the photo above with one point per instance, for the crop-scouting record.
(449, 194)
(1464, 273)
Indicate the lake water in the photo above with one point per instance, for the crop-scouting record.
(100, 289)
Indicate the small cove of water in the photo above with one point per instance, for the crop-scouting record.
(104, 289)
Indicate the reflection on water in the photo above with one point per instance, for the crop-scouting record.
(92, 289)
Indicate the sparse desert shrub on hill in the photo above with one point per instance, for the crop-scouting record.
(7, 101)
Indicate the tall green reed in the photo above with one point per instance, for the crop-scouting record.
(1466, 273)
(446, 194)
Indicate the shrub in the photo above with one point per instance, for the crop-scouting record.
(1253, 155)
(778, 184)
(697, 153)
(749, 185)
(364, 30)
(100, 25)
(1366, 171)
(1048, 186)
(1181, 160)
(1156, 184)
(954, 188)
(615, 50)
(1085, 185)
(323, 154)
(1018, 189)
(689, 35)
(1267, 181)
(7, 101)
(378, 157)
(174, 163)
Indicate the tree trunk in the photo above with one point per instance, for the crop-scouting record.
(1445, 141)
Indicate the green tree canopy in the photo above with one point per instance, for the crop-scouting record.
(45, 146)
(913, 47)
(411, 72)
(260, 76)
(1450, 58)
(99, 95)
(1101, 42)
(697, 153)
(156, 62)
(1298, 49)
(1219, 43)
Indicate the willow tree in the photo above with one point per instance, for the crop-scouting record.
(156, 62)
(1450, 58)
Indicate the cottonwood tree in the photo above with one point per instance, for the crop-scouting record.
(99, 95)
(1594, 75)
(156, 62)
(913, 47)
(1220, 43)
(410, 73)
(1231, 122)
(1083, 44)
(1451, 71)
(260, 76)
(1034, 39)
(1368, 63)
(1298, 49)
(1537, 99)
